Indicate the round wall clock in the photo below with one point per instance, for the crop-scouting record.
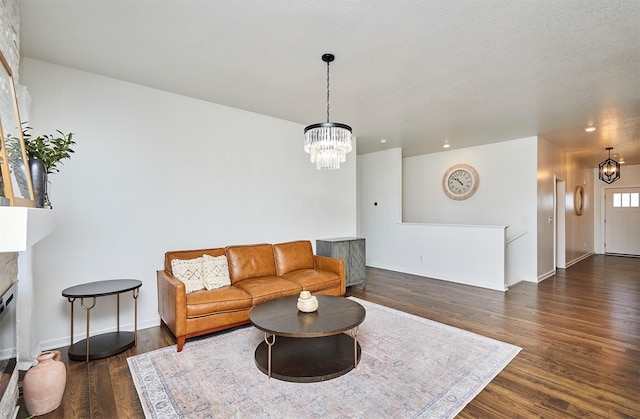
(460, 181)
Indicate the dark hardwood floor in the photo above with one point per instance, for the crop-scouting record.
(579, 332)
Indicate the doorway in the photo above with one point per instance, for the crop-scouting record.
(560, 229)
(622, 221)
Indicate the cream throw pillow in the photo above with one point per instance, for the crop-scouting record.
(216, 271)
(190, 272)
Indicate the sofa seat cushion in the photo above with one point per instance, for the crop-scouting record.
(267, 288)
(312, 280)
(228, 298)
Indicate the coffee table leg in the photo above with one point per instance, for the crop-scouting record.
(354, 334)
(269, 344)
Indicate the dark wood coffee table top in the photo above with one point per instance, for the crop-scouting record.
(281, 317)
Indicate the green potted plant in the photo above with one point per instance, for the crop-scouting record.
(45, 153)
(50, 148)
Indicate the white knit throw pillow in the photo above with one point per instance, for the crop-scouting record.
(190, 272)
(216, 271)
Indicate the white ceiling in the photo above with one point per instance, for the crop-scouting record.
(414, 72)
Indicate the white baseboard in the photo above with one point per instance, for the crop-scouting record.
(578, 259)
(438, 277)
(546, 275)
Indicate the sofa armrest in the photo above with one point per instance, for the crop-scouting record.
(325, 263)
(172, 302)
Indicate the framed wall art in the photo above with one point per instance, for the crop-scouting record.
(15, 180)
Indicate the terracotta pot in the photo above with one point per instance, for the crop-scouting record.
(43, 385)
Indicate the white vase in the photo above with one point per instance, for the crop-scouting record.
(307, 303)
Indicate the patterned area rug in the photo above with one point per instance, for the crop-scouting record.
(411, 368)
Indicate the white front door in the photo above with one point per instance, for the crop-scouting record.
(622, 221)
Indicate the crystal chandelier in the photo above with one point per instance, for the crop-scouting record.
(327, 142)
(609, 170)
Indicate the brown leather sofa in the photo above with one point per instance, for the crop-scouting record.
(258, 273)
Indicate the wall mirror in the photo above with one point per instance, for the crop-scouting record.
(578, 200)
(15, 182)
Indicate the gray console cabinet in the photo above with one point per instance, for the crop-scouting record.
(352, 251)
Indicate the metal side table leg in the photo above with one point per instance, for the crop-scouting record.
(88, 310)
(118, 313)
(71, 300)
(136, 292)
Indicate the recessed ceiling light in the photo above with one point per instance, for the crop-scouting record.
(446, 145)
(590, 129)
(383, 141)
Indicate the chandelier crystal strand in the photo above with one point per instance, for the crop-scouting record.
(329, 142)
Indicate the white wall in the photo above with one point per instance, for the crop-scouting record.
(155, 171)
(579, 228)
(549, 168)
(380, 181)
(507, 176)
(506, 197)
(629, 177)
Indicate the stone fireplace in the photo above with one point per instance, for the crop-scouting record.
(8, 361)
(20, 229)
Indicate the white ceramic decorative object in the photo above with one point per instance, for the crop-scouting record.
(307, 303)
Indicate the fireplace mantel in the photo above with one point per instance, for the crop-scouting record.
(22, 227)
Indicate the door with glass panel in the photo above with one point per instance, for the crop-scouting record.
(622, 221)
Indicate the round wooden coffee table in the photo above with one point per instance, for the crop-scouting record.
(308, 347)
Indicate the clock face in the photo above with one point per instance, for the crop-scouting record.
(460, 181)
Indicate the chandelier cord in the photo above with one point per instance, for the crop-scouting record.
(327, 91)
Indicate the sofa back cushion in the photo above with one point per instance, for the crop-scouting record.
(250, 261)
(188, 254)
(293, 256)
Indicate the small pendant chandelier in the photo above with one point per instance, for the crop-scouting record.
(327, 142)
(609, 170)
